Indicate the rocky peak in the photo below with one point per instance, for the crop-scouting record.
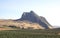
(34, 18)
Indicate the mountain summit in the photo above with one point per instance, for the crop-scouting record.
(34, 18)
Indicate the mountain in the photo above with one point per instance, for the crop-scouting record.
(34, 18)
(29, 20)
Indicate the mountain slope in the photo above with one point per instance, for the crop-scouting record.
(29, 20)
(34, 18)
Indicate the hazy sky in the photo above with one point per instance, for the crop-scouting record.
(13, 9)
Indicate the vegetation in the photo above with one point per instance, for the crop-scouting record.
(23, 33)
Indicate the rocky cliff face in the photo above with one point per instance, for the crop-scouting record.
(34, 18)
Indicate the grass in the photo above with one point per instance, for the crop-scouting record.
(29, 34)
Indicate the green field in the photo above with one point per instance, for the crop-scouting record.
(30, 34)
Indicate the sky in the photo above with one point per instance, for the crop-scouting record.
(13, 9)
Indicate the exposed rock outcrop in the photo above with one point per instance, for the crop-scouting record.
(34, 18)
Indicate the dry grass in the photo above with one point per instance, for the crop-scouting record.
(20, 24)
(7, 29)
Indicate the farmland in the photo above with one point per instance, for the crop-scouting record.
(25, 33)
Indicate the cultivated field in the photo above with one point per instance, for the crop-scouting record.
(30, 33)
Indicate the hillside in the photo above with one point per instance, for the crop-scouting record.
(29, 20)
(20, 24)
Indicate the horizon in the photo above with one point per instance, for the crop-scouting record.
(13, 9)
